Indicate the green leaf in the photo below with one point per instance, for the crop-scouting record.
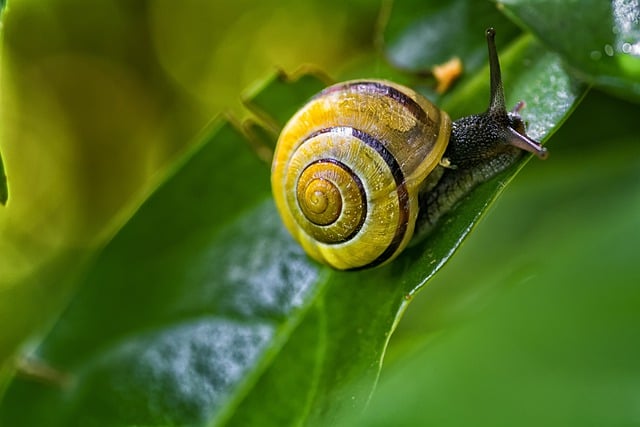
(189, 308)
(533, 74)
(202, 304)
(99, 97)
(601, 40)
(419, 35)
(533, 322)
(530, 73)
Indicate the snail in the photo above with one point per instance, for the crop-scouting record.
(367, 164)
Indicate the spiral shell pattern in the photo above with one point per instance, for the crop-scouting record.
(348, 168)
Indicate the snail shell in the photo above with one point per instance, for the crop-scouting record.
(362, 161)
(349, 166)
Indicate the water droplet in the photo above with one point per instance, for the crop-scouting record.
(595, 55)
(608, 49)
(626, 47)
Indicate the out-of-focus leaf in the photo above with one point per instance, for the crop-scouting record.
(233, 44)
(419, 35)
(534, 321)
(194, 297)
(211, 305)
(87, 119)
(287, 98)
(599, 39)
(99, 97)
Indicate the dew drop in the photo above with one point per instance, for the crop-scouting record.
(608, 49)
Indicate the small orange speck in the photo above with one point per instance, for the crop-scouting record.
(447, 73)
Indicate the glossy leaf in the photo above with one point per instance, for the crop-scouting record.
(100, 97)
(419, 35)
(533, 322)
(532, 74)
(602, 45)
(550, 95)
(210, 309)
(191, 309)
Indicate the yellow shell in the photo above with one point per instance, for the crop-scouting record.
(348, 168)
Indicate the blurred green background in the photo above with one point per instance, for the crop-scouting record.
(534, 321)
(99, 99)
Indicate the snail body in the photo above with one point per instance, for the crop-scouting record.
(365, 163)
